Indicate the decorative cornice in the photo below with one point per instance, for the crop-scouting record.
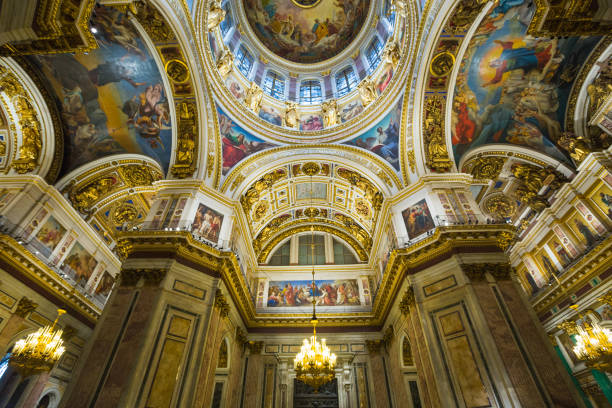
(255, 346)
(22, 264)
(151, 277)
(477, 272)
(407, 301)
(221, 304)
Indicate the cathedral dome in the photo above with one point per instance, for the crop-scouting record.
(306, 31)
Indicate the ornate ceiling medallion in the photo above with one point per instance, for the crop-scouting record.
(310, 169)
(306, 3)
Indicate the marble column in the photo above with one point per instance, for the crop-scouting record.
(36, 390)
(377, 365)
(254, 375)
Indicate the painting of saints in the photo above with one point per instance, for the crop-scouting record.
(562, 253)
(106, 285)
(586, 233)
(324, 293)
(207, 223)
(548, 265)
(80, 263)
(417, 219)
(383, 139)
(607, 200)
(236, 142)
(51, 233)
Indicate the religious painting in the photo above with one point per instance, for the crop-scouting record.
(513, 88)
(562, 255)
(235, 88)
(311, 122)
(534, 276)
(306, 31)
(112, 98)
(603, 199)
(271, 115)
(237, 143)
(350, 110)
(546, 263)
(80, 263)
(207, 223)
(417, 219)
(306, 191)
(583, 230)
(105, 285)
(383, 138)
(384, 79)
(51, 233)
(340, 292)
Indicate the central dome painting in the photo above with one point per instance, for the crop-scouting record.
(306, 31)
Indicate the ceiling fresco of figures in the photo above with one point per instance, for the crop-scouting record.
(112, 99)
(237, 143)
(383, 138)
(306, 31)
(513, 88)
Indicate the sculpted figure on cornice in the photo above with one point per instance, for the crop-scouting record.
(225, 63)
(577, 147)
(216, 15)
(391, 53)
(330, 113)
(253, 97)
(437, 157)
(367, 91)
(291, 117)
(532, 178)
(601, 87)
(401, 7)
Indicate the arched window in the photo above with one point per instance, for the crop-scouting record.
(243, 61)
(282, 255)
(223, 358)
(305, 250)
(274, 85)
(343, 255)
(345, 81)
(310, 92)
(374, 54)
(227, 22)
(407, 359)
(390, 12)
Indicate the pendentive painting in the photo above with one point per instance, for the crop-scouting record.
(306, 31)
(207, 223)
(112, 98)
(236, 142)
(106, 285)
(417, 219)
(383, 139)
(81, 264)
(513, 88)
(51, 233)
(300, 293)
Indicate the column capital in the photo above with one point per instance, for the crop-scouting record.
(407, 301)
(255, 346)
(221, 304)
(477, 272)
(374, 346)
(151, 276)
(25, 306)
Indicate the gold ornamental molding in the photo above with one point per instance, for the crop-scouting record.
(567, 18)
(59, 26)
(180, 245)
(19, 262)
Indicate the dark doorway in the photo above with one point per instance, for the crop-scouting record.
(305, 397)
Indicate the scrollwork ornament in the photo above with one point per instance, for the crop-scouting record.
(500, 206)
(487, 167)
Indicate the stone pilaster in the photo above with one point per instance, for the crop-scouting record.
(16, 322)
(254, 375)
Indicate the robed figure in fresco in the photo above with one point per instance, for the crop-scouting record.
(523, 58)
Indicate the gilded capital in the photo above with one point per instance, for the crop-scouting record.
(374, 346)
(407, 301)
(25, 306)
(221, 304)
(255, 347)
(131, 277)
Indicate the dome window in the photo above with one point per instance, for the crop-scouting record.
(310, 93)
(243, 61)
(274, 85)
(374, 54)
(346, 81)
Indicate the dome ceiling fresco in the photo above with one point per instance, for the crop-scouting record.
(112, 99)
(513, 88)
(306, 31)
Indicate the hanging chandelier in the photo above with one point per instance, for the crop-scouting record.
(314, 364)
(593, 342)
(39, 351)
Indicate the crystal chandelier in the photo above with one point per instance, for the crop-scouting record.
(594, 345)
(39, 351)
(314, 364)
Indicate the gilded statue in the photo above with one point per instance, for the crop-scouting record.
(225, 63)
(84, 198)
(576, 146)
(601, 87)
(291, 118)
(330, 113)
(401, 7)
(253, 97)
(391, 53)
(437, 156)
(367, 91)
(216, 15)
